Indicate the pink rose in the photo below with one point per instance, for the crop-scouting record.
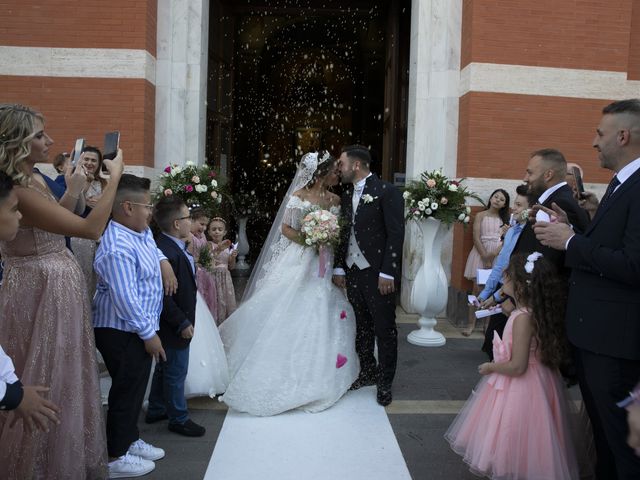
(167, 169)
(212, 174)
(168, 192)
(431, 183)
(343, 315)
(444, 200)
(188, 188)
(195, 179)
(214, 194)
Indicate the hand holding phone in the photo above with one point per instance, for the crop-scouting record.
(579, 183)
(111, 145)
(77, 151)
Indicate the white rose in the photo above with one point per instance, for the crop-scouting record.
(434, 206)
(308, 241)
(466, 219)
(201, 188)
(190, 163)
(461, 217)
(428, 211)
(421, 205)
(214, 183)
(453, 188)
(406, 195)
(468, 210)
(176, 169)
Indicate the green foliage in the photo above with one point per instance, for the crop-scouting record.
(435, 195)
(198, 186)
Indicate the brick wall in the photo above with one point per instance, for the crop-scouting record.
(74, 24)
(82, 106)
(583, 34)
(89, 107)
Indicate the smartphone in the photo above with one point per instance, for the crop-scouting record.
(111, 144)
(77, 151)
(579, 182)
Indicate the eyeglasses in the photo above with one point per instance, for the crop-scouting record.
(148, 206)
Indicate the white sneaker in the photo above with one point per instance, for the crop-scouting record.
(142, 449)
(130, 466)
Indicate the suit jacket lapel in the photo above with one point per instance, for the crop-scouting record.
(622, 189)
(175, 246)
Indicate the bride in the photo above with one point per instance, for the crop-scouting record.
(291, 343)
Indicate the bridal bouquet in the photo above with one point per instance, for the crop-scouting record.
(320, 229)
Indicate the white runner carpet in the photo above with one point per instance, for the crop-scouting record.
(352, 440)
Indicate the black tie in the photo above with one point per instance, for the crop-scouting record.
(612, 186)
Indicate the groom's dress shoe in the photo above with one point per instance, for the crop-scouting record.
(384, 396)
(362, 382)
(188, 429)
(155, 418)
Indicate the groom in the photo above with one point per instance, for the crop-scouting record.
(368, 262)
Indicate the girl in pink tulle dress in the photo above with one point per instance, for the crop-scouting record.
(515, 425)
(206, 281)
(224, 258)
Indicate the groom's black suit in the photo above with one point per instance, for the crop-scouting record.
(379, 232)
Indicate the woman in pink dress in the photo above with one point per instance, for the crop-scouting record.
(206, 281)
(515, 425)
(45, 324)
(224, 259)
(486, 243)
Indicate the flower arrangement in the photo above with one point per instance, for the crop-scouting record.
(198, 186)
(435, 195)
(320, 228)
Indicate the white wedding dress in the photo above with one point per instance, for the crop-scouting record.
(292, 343)
(208, 374)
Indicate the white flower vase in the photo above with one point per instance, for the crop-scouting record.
(429, 292)
(243, 244)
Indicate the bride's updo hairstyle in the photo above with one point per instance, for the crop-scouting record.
(325, 165)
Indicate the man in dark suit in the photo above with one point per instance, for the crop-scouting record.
(166, 397)
(370, 253)
(603, 309)
(546, 179)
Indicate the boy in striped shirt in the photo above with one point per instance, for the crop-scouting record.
(126, 312)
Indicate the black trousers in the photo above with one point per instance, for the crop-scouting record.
(129, 366)
(375, 322)
(604, 381)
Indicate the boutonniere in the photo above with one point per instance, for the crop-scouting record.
(366, 198)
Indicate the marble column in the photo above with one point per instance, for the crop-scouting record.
(181, 81)
(432, 134)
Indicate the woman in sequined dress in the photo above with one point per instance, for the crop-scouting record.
(45, 314)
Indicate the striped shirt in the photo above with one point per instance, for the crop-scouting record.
(129, 291)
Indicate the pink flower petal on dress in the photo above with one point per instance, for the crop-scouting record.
(341, 360)
(343, 314)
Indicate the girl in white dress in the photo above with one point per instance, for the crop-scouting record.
(291, 343)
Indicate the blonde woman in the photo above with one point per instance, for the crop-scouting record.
(45, 312)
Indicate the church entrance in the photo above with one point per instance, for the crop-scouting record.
(288, 77)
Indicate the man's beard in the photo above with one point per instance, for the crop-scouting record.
(536, 189)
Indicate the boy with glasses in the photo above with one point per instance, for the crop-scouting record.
(177, 320)
(126, 312)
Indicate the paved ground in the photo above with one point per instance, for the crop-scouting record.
(430, 387)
